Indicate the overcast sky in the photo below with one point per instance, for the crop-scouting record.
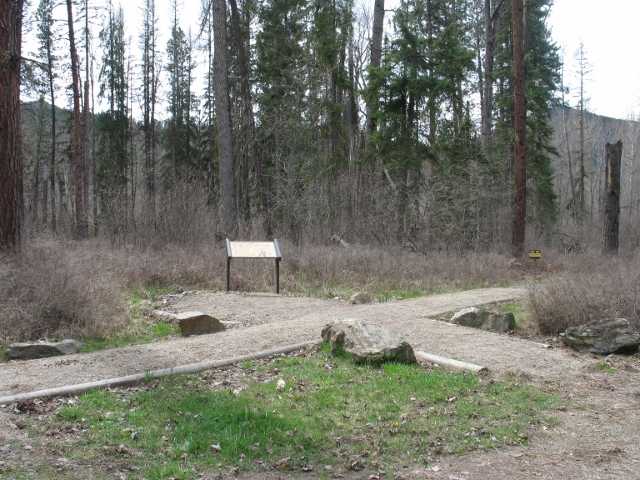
(609, 31)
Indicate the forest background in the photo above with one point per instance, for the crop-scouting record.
(337, 126)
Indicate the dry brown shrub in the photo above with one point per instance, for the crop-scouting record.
(591, 287)
(393, 268)
(58, 289)
(66, 288)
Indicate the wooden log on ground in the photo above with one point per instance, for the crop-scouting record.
(139, 377)
(450, 362)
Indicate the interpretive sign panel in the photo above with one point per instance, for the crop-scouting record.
(253, 250)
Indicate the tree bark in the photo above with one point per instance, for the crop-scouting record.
(520, 147)
(77, 147)
(376, 54)
(249, 121)
(149, 104)
(10, 166)
(491, 22)
(228, 213)
(52, 168)
(612, 197)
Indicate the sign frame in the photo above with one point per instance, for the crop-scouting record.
(254, 249)
(535, 254)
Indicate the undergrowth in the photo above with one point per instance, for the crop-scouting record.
(605, 287)
(94, 290)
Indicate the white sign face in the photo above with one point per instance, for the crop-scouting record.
(253, 250)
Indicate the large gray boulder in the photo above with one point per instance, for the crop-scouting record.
(198, 323)
(368, 342)
(475, 318)
(605, 336)
(27, 351)
(360, 298)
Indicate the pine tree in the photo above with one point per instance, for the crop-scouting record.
(179, 134)
(542, 74)
(282, 129)
(10, 168)
(112, 126)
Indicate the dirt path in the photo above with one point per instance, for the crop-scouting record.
(598, 438)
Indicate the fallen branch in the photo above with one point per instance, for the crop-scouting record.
(450, 362)
(139, 377)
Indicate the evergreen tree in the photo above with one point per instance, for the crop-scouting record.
(542, 66)
(10, 168)
(283, 117)
(112, 126)
(180, 130)
(329, 34)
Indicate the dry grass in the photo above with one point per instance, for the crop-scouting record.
(56, 290)
(376, 269)
(62, 288)
(590, 287)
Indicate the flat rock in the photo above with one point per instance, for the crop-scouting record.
(481, 319)
(605, 336)
(368, 342)
(27, 351)
(198, 323)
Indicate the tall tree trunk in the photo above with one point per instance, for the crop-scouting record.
(77, 148)
(491, 22)
(520, 147)
(52, 167)
(612, 197)
(583, 174)
(403, 192)
(248, 119)
(10, 167)
(376, 54)
(223, 113)
(149, 101)
(87, 180)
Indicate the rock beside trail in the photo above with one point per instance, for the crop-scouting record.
(605, 336)
(28, 351)
(360, 298)
(475, 318)
(368, 342)
(198, 323)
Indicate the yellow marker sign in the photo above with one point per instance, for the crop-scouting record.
(535, 254)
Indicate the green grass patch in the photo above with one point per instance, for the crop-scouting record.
(605, 367)
(141, 330)
(518, 309)
(388, 294)
(331, 412)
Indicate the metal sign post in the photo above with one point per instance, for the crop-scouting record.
(253, 250)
